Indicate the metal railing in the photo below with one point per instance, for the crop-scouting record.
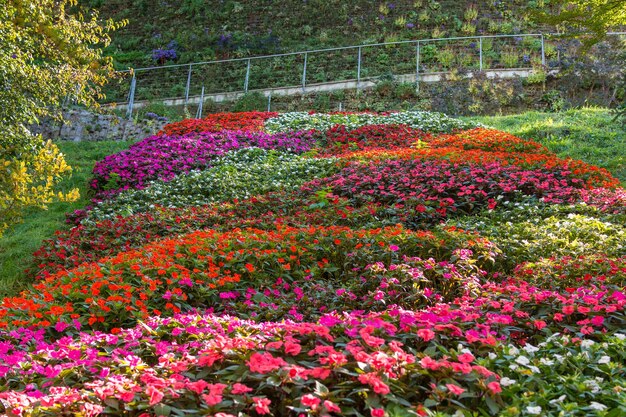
(354, 63)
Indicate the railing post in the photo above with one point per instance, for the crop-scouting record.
(199, 112)
(269, 102)
(245, 83)
(188, 85)
(358, 70)
(543, 51)
(131, 97)
(480, 52)
(417, 67)
(306, 56)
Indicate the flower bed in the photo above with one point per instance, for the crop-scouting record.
(389, 271)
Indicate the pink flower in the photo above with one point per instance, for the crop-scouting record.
(426, 334)
(264, 362)
(377, 412)
(155, 395)
(60, 326)
(394, 248)
(240, 389)
(292, 348)
(311, 401)
(197, 386)
(568, 309)
(494, 387)
(331, 407)
(455, 389)
(211, 399)
(429, 363)
(261, 405)
(597, 320)
(214, 396)
(539, 324)
(374, 381)
(465, 358)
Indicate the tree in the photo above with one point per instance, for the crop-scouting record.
(589, 20)
(49, 50)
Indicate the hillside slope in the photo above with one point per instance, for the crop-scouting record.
(193, 30)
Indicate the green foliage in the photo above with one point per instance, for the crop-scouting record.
(589, 19)
(19, 242)
(251, 102)
(47, 52)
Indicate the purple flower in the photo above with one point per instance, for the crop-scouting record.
(410, 25)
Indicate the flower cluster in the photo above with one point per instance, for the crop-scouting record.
(216, 122)
(339, 140)
(422, 120)
(194, 270)
(444, 188)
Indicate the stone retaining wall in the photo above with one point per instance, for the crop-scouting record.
(82, 125)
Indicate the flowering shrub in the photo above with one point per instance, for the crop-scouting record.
(588, 376)
(444, 188)
(527, 231)
(162, 156)
(220, 366)
(483, 146)
(244, 121)
(239, 174)
(574, 271)
(488, 140)
(194, 270)
(425, 121)
(92, 240)
(445, 351)
(339, 139)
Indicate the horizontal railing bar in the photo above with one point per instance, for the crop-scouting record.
(342, 48)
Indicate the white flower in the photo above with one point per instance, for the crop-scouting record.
(492, 356)
(513, 350)
(620, 336)
(533, 410)
(505, 382)
(522, 360)
(558, 400)
(587, 343)
(546, 361)
(604, 359)
(592, 385)
(530, 348)
(513, 367)
(597, 406)
(534, 369)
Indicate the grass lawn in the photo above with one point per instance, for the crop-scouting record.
(20, 241)
(588, 134)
